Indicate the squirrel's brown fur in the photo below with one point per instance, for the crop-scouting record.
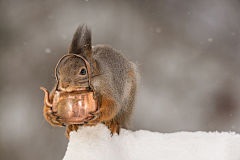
(113, 77)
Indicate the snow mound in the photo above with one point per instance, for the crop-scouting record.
(96, 143)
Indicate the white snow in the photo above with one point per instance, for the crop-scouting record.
(95, 143)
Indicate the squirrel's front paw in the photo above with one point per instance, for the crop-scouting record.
(96, 117)
(51, 118)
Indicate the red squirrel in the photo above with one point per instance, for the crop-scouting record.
(113, 76)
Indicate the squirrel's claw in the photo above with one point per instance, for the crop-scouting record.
(113, 126)
(94, 121)
(51, 117)
(71, 127)
(118, 129)
(95, 118)
(58, 118)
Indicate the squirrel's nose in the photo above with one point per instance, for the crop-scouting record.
(64, 85)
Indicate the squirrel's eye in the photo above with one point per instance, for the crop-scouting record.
(83, 72)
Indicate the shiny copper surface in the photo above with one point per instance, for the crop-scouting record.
(73, 107)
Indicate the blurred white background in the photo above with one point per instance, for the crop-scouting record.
(188, 54)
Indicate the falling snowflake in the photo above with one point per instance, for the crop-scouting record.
(210, 39)
(158, 30)
(47, 50)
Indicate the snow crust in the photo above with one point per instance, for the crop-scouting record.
(96, 143)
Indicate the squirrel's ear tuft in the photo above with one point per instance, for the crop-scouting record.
(81, 42)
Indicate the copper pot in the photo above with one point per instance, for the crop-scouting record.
(73, 107)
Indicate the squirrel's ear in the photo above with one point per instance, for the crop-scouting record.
(81, 43)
